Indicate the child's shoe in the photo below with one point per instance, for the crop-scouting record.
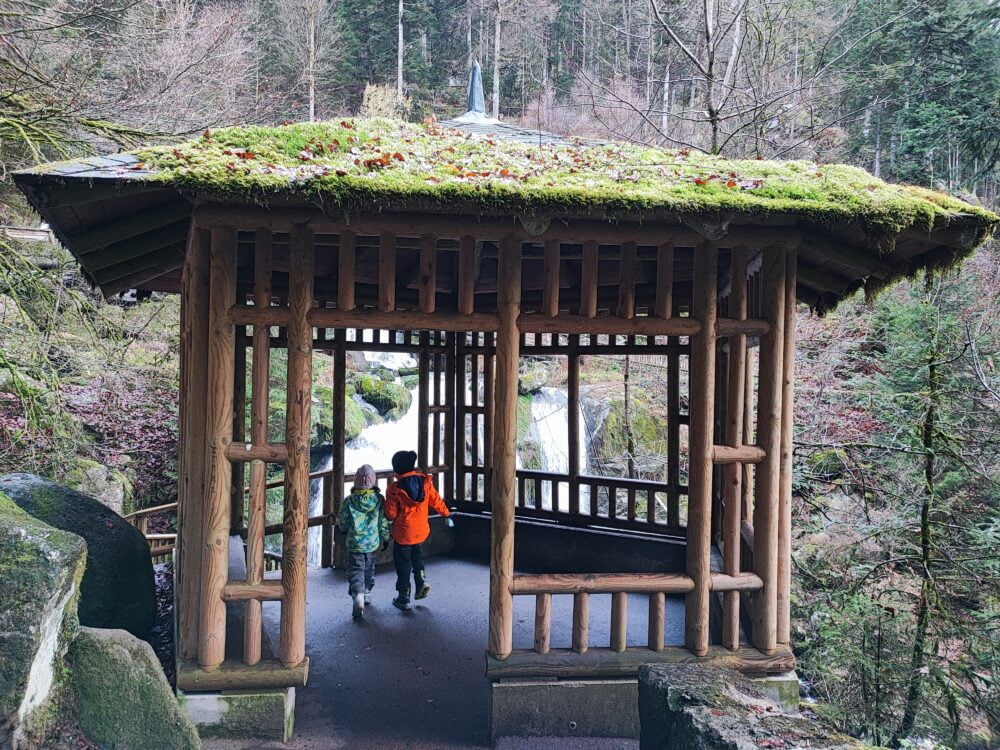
(368, 596)
(423, 589)
(402, 601)
(359, 606)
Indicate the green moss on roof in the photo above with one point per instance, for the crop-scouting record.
(384, 163)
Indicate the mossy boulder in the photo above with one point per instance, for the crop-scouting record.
(123, 699)
(391, 400)
(118, 588)
(536, 372)
(40, 572)
(100, 482)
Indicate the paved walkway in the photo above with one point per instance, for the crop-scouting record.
(416, 679)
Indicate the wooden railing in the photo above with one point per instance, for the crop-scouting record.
(161, 546)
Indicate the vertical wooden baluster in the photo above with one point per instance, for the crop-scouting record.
(194, 437)
(765, 523)
(333, 551)
(543, 622)
(701, 396)
(626, 283)
(428, 273)
(664, 280)
(657, 618)
(581, 622)
(387, 273)
(550, 292)
(215, 524)
(631, 503)
(733, 473)
(347, 262)
(674, 433)
(423, 398)
(260, 401)
(476, 417)
(301, 252)
(784, 552)
(237, 497)
(461, 419)
(619, 621)
(746, 511)
(467, 275)
(573, 422)
(588, 280)
(451, 384)
(489, 390)
(501, 622)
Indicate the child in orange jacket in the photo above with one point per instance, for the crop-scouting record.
(407, 500)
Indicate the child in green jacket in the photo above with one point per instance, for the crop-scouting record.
(362, 520)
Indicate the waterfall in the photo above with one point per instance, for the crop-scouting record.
(550, 424)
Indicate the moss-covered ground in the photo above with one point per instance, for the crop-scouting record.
(382, 163)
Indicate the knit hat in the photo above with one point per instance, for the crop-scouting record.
(404, 462)
(364, 478)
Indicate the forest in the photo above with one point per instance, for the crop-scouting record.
(897, 483)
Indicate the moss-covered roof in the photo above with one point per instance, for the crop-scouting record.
(387, 163)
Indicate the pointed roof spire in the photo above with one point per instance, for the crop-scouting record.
(477, 101)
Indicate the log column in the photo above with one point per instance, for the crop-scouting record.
(702, 396)
(221, 360)
(297, 427)
(193, 410)
(787, 422)
(333, 539)
(504, 459)
(765, 511)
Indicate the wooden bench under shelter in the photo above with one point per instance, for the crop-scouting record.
(470, 248)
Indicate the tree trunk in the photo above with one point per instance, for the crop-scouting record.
(496, 64)
(399, 51)
(311, 63)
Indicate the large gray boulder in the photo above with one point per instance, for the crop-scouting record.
(118, 588)
(107, 485)
(40, 573)
(123, 700)
(694, 707)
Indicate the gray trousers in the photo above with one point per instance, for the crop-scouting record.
(360, 571)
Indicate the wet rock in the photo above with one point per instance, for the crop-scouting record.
(694, 707)
(535, 372)
(40, 572)
(118, 588)
(124, 701)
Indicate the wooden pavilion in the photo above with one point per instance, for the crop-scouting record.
(471, 249)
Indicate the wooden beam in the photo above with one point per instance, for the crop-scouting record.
(192, 449)
(271, 453)
(232, 675)
(117, 259)
(626, 283)
(784, 552)
(294, 541)
(347, 263)
(428, 273)
(601, 583)
(241, 591)
(159, 263)
(588, 280)
(765, 516)
(467, 275)
(387, 272)
(740, 454)
(664, 280)
(603, 662)
(504, 458)
(702, 399)
(550, 291)
(108, 233)
(215, 524)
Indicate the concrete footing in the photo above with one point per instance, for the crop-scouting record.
(564, 708)
(260, 714)
(782, 688)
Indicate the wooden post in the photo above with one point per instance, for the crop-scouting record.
(221, 355)
(193, 437)
(467, 275)
(331, 500)
(387, 272)
(259, 404)
(746, 511)
(589, 279)
(657, 620)
(733, 473)
(701, 396)
(347, 262)
(301, 253)
(451, 398)
(501, 622)
(581, 622)
(489, 406)
(573, 421)
(626, 283)
(237, 489)
(619, 621)
(765, 513)
(787, 423)
(673, 433)
(664, 280)
(428, 272)
(550, 293)
(423, 394)
(543, 622)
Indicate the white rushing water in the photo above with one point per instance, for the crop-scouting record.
(550, 423)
